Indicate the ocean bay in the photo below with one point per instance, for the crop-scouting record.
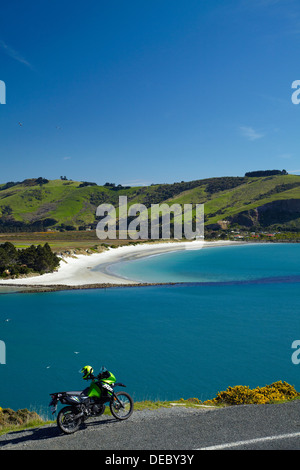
(235, 326)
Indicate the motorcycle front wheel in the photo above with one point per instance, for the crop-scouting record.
(122, 406)
(67, 421)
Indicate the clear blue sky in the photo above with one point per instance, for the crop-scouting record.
(140, 92)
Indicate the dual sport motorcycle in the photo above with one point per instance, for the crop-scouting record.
(91, 402)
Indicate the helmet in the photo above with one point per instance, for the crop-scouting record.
(87, 371)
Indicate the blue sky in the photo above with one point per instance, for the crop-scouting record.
(157, 91)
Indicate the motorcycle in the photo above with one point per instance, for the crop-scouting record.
(91, 401)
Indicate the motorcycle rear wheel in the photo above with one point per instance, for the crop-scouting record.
(122, 407)
(67, 421)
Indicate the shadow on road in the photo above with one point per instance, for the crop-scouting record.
(34, 434)
(44, 433)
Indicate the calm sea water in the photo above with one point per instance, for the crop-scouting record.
(232, 322)
(215, 264)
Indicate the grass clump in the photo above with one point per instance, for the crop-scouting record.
(16, 420)
(151, 405)
(243, 395)
(154, 405)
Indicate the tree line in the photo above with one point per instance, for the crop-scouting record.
(28, 182)
(257, 174)
(34, 259)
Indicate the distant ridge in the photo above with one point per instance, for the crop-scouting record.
(264, 199)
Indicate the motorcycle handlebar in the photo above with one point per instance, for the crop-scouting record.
(100, 376)
(92, 377)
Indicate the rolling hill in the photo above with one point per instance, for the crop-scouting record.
(268, 201)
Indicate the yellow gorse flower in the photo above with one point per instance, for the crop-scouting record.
(243, 395)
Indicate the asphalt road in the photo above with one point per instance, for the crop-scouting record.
(180, 431)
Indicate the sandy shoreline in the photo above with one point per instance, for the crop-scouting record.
(79, 270)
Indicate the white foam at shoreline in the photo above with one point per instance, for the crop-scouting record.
(77, 271)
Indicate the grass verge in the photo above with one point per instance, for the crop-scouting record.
(277, 392)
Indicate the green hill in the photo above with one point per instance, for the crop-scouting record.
(267, 201)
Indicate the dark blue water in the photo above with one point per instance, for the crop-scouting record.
(164, 342)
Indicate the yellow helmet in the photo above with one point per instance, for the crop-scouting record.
(87, 371)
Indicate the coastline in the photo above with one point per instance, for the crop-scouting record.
(79, 271)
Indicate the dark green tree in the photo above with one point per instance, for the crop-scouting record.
(4, 259)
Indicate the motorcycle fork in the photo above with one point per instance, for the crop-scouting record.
(116, 399)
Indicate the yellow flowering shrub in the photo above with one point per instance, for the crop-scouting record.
(243, 395)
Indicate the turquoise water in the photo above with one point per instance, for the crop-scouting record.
(164, 342)
(216, 264)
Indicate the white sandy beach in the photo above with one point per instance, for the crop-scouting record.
(78, 271)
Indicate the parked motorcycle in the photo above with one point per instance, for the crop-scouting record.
(91, 401)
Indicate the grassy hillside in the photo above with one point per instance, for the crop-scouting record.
(266, 201)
